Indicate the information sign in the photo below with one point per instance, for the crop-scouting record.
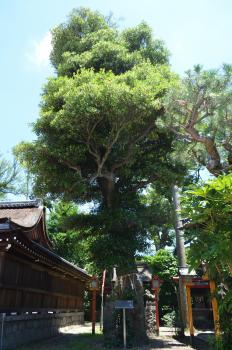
(124, 304)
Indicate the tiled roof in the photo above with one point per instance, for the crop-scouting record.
(22, 204)
(23, 216)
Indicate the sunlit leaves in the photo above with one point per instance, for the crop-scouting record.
(209, 208)
(199, 113)
(97, 138)
(88, 40)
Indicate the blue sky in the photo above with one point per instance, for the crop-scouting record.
(195, 31)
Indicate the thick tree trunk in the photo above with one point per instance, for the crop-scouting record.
(108, 190)
(181, 257)
(120, 230)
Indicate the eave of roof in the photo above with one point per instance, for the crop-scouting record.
(23, 217)
(17, 241)
(25, 214)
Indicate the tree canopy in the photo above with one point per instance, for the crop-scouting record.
(95, 128)
(90, 40)
(97, 135)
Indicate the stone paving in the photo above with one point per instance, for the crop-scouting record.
(167, 344)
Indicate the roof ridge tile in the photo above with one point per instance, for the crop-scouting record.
(36, 203)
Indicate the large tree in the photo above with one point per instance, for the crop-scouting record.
(97, 137)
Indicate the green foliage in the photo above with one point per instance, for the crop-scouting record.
(164, 264)
(97, 138)
(89, 40)
(199, 113)
(169, 319)
(159, 216)
(9, 178)
(67, 242)
(103, 238)
(89, 125)
(209, 208)
(64, 240)
(98, 240)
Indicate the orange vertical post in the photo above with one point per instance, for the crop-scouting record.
(215, 309)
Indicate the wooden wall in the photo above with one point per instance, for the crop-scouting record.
(25, 285)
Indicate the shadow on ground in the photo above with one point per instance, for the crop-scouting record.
(196, 343)
(167, 344)
(68, 342)
(87, 341)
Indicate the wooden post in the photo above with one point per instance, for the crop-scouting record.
(93, 311)
(215, 309)
(94, 287)
(190, 311)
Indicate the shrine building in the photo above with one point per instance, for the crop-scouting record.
(36, 285)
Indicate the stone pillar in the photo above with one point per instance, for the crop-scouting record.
(150, 317)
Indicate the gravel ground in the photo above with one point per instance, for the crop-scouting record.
(166, 342)
(80, 338)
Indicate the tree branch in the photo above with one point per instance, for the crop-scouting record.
(77, 168)
(55, 159)
(131, 145)
(195, 111)
(108, 150)
(144, 182)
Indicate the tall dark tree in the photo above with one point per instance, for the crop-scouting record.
(97, 136)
